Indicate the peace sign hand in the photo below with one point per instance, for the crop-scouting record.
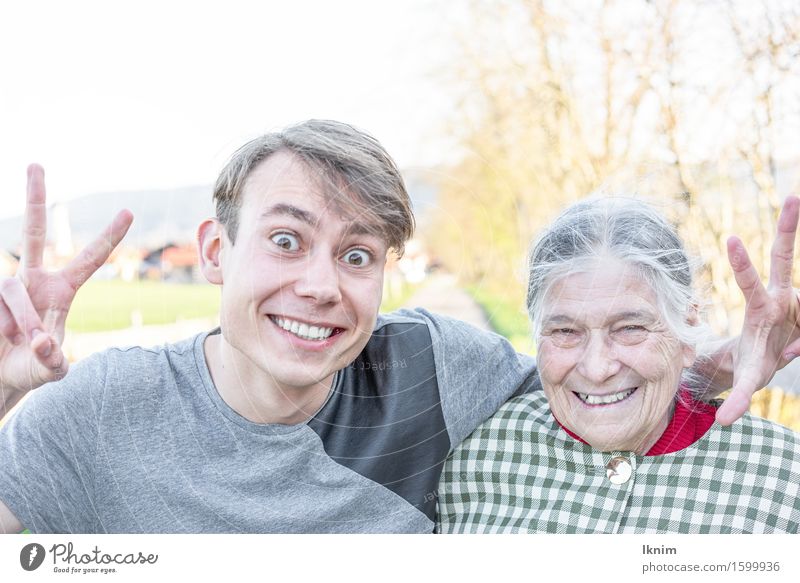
(34, 304)
(771, 327)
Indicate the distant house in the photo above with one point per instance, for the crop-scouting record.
(125, 263)
(8, 263)
(172, 263)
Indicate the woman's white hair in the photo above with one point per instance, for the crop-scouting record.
(635, 233)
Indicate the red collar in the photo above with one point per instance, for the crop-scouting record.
(690, 421)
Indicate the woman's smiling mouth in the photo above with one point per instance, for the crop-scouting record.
(605, 399)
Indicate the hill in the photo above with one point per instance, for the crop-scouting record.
(164, 216)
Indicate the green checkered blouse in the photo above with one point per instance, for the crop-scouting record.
(520, 472)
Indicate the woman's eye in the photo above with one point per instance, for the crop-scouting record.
(286, 241)
(565, 337)
(357, 258)
(630, 334)
(632, 329)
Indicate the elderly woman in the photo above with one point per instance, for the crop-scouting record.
(621, 439)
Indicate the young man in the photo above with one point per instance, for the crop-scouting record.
(304, 412)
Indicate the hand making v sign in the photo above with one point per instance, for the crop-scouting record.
(34, 304)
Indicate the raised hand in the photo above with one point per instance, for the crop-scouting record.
(34, 304)
(771, 331)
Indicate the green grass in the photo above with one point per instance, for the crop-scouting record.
(111, 305)
(506, 316)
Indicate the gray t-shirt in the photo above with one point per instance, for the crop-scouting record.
(139, 440)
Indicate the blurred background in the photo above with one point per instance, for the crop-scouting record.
(498, 112)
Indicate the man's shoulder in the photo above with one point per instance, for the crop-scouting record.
(118, 370)
(186, 348)
(452, 338)
(408, 317)
(421, 316)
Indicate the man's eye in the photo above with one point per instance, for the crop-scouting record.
(285, 241)
(357, 258)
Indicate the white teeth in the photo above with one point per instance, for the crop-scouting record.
(303, 330)
(605, 399)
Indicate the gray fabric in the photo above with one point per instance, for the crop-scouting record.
(138, 440)
(476, 371)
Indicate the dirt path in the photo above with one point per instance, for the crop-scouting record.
(441, 294)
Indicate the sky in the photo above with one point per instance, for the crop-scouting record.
(111, 96)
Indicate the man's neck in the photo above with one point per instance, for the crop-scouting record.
(254, 394)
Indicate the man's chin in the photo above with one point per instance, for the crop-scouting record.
(304, 382)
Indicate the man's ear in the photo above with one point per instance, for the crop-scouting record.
(210, 236)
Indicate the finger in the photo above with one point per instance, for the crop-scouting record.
(780, 273)
(19, 304)
(95, 254)
(35, 230)
(736, 405)
(745, 273)
(8, 327)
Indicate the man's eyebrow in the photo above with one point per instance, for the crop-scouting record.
(283, 209)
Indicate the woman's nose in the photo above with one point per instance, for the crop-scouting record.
(599, 361)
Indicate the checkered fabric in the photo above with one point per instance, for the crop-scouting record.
(520, 472)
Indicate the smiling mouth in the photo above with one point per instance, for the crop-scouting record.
(304, 330)
(605, 399)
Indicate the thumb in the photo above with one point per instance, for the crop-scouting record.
(736, 405)
(50, 357)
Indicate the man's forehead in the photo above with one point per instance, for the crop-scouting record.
(283, 185)
(280, 173)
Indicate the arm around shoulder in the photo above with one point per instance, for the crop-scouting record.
(476, 370)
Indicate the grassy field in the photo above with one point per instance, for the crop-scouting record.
(111, 305)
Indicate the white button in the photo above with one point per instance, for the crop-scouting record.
(619, 470)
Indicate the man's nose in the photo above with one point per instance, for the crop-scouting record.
(599, 361)
(319, 279)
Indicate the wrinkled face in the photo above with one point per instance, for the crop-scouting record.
(609, 366)
(302, 284)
